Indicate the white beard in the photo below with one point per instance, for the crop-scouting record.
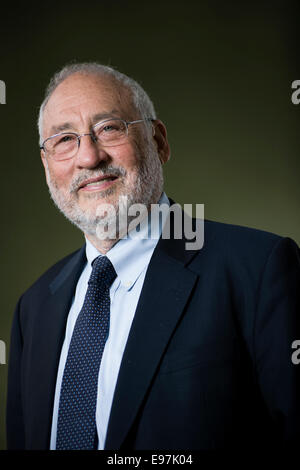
(144, 187)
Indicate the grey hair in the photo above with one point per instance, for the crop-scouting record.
(140, 98)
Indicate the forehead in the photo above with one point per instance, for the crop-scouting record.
(80, 97)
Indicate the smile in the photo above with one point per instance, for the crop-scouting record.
(98, 184)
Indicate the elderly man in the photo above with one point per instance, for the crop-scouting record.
(138, 342)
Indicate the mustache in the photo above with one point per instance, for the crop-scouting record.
(117, 171)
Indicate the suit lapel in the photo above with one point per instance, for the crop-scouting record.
(47, 341)
(167, 287)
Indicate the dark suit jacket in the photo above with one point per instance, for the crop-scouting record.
(208, 362)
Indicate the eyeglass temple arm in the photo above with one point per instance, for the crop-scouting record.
(141, 120)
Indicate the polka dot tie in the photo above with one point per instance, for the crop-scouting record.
(76, 426)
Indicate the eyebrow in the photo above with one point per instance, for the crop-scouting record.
(67, 126)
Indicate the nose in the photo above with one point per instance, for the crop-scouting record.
(89, 154)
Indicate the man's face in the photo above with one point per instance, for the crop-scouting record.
(98, 175)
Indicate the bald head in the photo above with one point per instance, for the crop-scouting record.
(129, 90)
(101, 96)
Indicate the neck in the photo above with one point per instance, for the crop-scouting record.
(105, 244)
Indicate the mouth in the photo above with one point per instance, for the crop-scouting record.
(98, 184)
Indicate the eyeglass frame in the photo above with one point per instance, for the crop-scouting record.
(94, 138)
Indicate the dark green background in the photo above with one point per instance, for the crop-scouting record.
(220, 76)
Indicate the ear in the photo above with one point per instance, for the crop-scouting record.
(45, 164)
(161, 140)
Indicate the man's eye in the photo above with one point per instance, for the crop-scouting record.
(109, 127)
(62, 142)
(66, 138)
(107, 131)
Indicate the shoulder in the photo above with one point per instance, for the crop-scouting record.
(57, 270)
(235, 241)
(235, 246)
(237, 236)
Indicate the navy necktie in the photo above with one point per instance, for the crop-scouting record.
(76, 426)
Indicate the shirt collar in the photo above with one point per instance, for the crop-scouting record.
(131, 255)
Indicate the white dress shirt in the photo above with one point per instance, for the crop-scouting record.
(130, 258)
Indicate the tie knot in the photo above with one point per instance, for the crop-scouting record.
(103, 272)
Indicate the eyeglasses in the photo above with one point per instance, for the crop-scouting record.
(106, 133)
